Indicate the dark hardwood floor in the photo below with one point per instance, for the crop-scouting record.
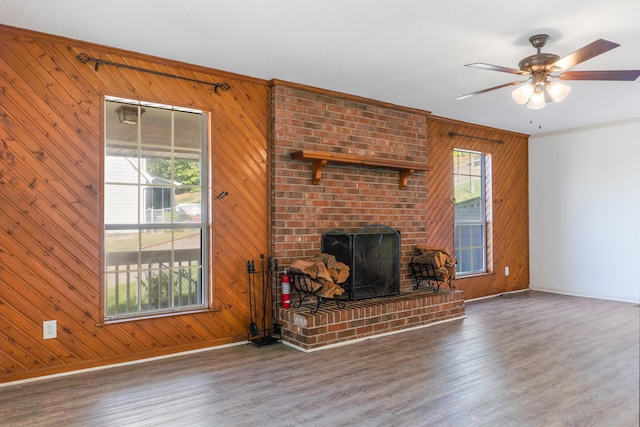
(523, 359)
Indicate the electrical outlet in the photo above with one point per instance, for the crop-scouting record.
(49, 329)
(506, 271)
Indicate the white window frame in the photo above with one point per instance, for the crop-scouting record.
(181, 274)
(467, 254)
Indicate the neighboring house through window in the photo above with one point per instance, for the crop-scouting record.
(470, 188)
(155, 209)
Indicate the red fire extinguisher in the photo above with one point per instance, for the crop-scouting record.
(285, 280)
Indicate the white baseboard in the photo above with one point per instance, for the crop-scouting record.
(583, 294)
(114, 365)
(496, 295)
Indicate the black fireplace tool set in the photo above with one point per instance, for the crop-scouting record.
(268, 273)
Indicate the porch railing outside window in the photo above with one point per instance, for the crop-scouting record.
(158, 282)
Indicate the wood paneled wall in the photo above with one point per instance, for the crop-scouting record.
(51, 137)
(510, 207)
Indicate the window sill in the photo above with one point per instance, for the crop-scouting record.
(469, 276)
(157, 316)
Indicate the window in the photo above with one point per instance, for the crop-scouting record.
(470, 185)
(155, 209)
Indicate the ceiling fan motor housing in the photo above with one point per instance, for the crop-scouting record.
(539, 61)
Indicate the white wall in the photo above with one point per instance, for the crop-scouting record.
(584, 208)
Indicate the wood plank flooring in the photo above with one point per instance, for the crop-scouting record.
(524, 359)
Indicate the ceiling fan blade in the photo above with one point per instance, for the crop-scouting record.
(490, 67)
(615, 75)
(589, 51)
(488, 90)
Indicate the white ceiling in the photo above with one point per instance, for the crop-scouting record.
(405, 52)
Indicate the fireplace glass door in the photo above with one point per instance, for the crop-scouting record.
(373, 256)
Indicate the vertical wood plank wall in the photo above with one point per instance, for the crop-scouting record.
(509, 201)
(51, 108)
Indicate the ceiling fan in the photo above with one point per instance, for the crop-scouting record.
(540, 67)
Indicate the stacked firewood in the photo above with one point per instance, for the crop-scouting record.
(440, 259)
(323, 274)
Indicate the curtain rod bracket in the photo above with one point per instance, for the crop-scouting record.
(84, 58)
(452, 134)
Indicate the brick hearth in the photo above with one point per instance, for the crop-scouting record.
(362, 319)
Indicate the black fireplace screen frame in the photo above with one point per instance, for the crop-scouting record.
(373, 257)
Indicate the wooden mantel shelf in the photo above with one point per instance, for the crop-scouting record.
(319, 160)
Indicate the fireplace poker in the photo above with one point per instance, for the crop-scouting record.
(253, 327)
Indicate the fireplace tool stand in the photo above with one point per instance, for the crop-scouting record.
(264, 336)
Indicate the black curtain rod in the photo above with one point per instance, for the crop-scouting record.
(452, 134)
(84, 58)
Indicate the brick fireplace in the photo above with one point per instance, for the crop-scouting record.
(348, 197)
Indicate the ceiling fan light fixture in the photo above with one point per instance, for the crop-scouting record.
(522, 94)
(536, 101)
(558, 91)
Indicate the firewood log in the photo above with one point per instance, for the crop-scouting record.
(324, 271)
(306, 267)
(328, 260)
(322, 274)
(452, 270)
(420, 249)
(343, 273)
(436, 259)
(314, 284)
(330, 291)
(334, 273)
